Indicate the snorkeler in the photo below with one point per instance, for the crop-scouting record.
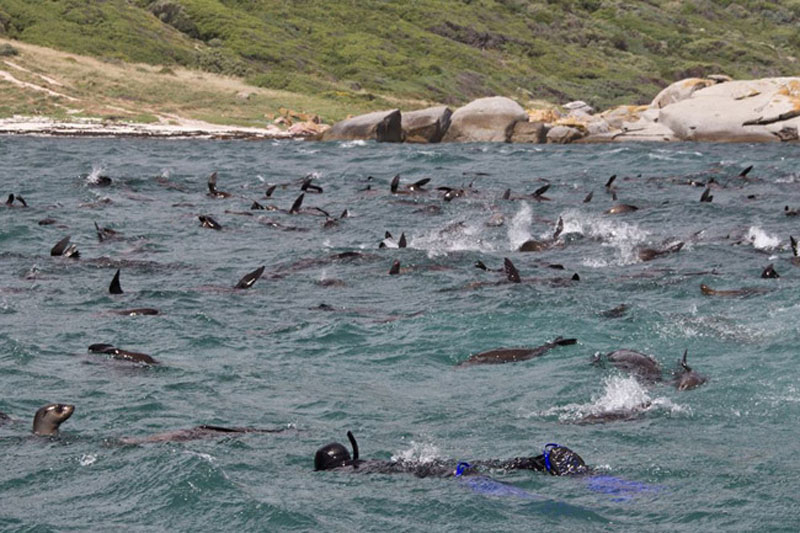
(556, 460)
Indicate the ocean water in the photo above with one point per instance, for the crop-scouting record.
(379, 358)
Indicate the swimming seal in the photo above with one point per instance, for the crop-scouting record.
(50, 417)
(195, 433)
(538, 246)
(648, 254)
(513, 355)
(123, 355)
(686, 378)
(415, 187)
(638, 364)
(746, 291)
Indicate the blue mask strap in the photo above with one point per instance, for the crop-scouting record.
(461, 468)
(547, 448)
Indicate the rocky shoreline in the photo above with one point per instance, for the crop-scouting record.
(712, 109)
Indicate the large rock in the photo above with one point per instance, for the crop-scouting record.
(426, 125)
(564, 134)
(743, 111)
(382, 126)
(529, 132)
(485, 120)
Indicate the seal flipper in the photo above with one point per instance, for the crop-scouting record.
(402, 242)
(395, 183)
(685, 366)
(115, 287)
(10, 199)
(207, 222)
(559, 228)
(706, 196)
(540, 191)
(248, 280)
(588, 197)
(60, 246)
(270, 190)
(512, 274)
(610, 181)
(745, 172)
(296, 205)
(212, 183)
(794, 245)
(395, 268)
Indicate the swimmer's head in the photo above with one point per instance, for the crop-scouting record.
(332, 455)
(561, 461)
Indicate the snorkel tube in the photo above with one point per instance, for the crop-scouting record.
(354, 444)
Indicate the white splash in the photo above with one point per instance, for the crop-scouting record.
(418, 453)
(613, 232)
(204, 456)
(761, 240)
(519, 228)
(455, 236)
(94, 175)
(88, 459)
(353, 144)
(621, 394)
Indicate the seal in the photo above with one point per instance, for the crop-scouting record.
(686, 378)
(640, 365)
(648, 254)
(50, 417)
(513, 355)
(18, 198)
(746, 291)
(196, 433)
(123, 355)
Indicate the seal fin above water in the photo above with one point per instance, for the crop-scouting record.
(270, 190)
(249, 279)
(296, 205)
(395, 183)
(418, 185)
(115, 287)
(769, 272)
(559, 228)
(540, 191)
(745, 172)
(588, 197)
(512, 274)
(208, 222)
(60, 246)
(402, 242)
(706, 196)
(610, 181)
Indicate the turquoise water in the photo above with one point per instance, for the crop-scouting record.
(380, 361)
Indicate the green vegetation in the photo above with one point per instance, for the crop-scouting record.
(359, 53)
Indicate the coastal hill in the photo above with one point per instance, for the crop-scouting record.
(348, 57)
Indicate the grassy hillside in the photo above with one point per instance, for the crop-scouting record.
(353, 52)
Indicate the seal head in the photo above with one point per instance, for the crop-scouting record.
(49, 417)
